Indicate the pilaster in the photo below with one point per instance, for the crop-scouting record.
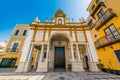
(26, 53)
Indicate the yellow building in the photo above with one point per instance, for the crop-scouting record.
(11, 56)
(104, 22)
(58, 43)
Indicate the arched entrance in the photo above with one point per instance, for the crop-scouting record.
(59, 51)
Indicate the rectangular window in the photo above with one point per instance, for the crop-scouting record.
(117, 53)
(16, 33)
(112, 32)
(24, 32)
(14, 47)
(101, 13)
(8, 62)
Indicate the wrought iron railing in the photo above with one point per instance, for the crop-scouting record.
(104, 19)
(11, 50)
(108, 39)
(98, 5)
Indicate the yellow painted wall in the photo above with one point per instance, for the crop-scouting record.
(106, 54)
(21, 39)
(108, 57)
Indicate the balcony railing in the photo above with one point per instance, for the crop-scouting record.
(11, 50)
(108, 39)
(104, 19)
(100, 3)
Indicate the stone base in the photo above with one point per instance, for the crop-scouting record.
(42, 67)
(24, 67)
(93, 67)
(77, 67)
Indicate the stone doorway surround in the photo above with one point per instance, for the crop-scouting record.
(59, 40)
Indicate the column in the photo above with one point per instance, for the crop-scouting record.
(92, 53)
(47, 56)
(72, 53)
(42, 66)
(78, 52)
(28, 64)
(91, 47)
(89, 53)
(77, 66)
(42, 52)
(30, 53)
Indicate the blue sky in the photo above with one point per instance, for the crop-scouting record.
(24, 11)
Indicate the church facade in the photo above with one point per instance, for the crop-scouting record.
(58, 43)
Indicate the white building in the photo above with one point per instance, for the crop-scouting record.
(50, 45)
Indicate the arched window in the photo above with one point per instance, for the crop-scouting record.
(59, 21)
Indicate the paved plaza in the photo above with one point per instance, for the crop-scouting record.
(9, 74)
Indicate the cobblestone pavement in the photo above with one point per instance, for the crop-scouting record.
(5, 75)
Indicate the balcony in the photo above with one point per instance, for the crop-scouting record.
(89, 19)
(104, 19)
(12, 50)
(108, 39)
(100, 3)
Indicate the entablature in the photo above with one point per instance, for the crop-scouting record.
(33, 26)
